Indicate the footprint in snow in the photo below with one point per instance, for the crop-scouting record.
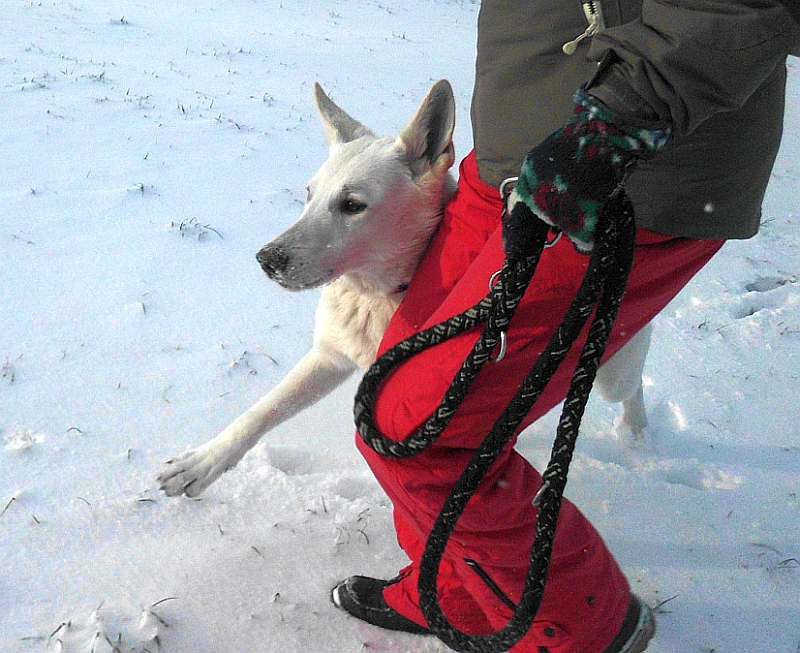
(765, 284)
(690, 473)
(294, 462)
(299, 462)
(354, 487)
(766, 293)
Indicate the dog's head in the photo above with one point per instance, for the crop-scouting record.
(375, 201)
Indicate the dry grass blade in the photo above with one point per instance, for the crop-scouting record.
(658, 608)
(164, 600)
(8, 505)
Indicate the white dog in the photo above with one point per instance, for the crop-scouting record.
(371, 210)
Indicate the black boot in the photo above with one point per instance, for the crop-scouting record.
(362, 597)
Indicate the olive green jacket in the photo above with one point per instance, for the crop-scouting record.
(714, 69)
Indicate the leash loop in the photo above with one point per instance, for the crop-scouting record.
(501, 354)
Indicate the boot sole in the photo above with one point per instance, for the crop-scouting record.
(645, 631)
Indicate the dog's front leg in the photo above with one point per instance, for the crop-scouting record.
(317, 374)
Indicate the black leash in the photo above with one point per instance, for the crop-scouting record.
(603, 288)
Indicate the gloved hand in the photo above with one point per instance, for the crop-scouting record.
(567, 179)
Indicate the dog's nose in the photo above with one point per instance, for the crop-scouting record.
(272, 259)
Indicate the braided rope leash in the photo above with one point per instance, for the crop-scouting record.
(603, 288)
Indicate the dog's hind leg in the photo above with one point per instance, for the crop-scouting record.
(314, 376)
(620, 380)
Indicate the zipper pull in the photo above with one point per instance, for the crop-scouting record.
(594, 15)
(570, 47)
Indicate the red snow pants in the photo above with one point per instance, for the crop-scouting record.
(587, 595)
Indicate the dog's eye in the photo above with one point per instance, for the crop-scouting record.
(352, 206)
(308, 193)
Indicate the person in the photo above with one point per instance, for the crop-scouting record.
(713, 72)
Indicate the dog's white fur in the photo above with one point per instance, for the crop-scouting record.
(372, 208)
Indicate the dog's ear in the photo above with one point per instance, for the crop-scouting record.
(429, 135)
(339, 127)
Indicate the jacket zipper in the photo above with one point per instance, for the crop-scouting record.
(593, 11)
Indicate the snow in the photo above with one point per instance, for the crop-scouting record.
(149, 150)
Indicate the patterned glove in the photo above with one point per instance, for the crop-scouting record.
(568, 178)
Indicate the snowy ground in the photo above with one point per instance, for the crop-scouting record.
(148, 151)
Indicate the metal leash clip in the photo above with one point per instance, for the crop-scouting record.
(506, 188)
(555, 239)
(505, 191)
(503, 335)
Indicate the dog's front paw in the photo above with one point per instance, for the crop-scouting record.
(194, 471)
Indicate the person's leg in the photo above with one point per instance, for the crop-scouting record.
(587, 595)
